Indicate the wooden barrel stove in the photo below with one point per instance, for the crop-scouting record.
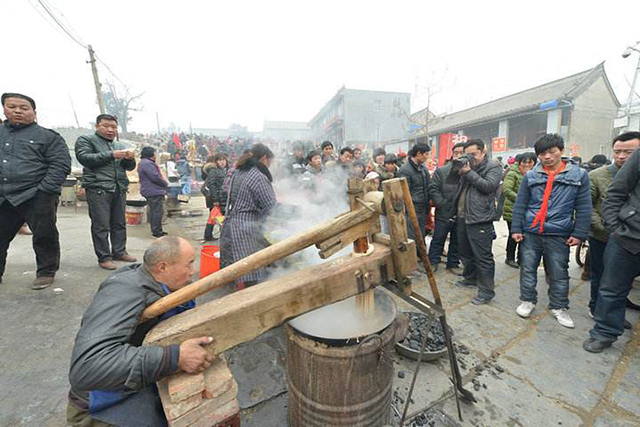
(340, 385)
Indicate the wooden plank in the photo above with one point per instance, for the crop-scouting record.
(257, 260)
(337, 243)
(394, 205)
(244, 315)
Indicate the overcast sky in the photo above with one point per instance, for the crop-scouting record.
(213, 63)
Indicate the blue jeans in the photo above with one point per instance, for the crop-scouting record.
(620, 268)
(555, 251)
(596, 267)
(436, 248)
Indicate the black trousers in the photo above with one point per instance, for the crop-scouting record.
(444, 228)
(39, 213)
(475, 244)
(106, 211)
(512, 246)
(155, 212)
(422, 222)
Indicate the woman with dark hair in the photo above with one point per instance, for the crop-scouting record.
(250, 199)
(153, 187)
(213, 189)
(510, 186)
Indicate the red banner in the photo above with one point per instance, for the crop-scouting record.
(499, 145)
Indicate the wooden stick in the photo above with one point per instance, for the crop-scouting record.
(422, 247)
(365, 301)
(257, 260)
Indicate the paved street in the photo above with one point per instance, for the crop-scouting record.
(529, 372)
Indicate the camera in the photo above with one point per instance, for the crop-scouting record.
(459, 163)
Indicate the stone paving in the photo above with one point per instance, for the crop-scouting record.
(527, 372)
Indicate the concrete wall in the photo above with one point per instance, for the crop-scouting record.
(375, 118)
(591, 126)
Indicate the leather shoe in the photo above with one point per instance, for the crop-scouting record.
(42, 282)
(632, 305)
(593, 345)
(107, 265)
(480, 301)
(465, 284)
(455, 270)
(512, 263)
(125, 258)
(627, 324)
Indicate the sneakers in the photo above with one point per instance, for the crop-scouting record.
(525, 309)
(480, 301)
(593, 345)
(563, 317)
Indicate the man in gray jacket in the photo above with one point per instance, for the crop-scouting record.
(476, 209)
(105, 179)
(35, 163)
(112, 375)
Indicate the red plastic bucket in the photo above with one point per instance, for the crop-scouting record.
(209, 260)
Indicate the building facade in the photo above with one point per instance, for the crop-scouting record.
(580, 107)
(362, 118)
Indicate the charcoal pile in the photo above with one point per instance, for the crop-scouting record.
(420, 324)
(432, 418)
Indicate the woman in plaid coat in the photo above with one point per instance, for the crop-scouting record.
(250, 199)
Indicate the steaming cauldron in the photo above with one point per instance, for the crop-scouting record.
(344, 377)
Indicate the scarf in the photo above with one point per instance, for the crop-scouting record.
(541, 216)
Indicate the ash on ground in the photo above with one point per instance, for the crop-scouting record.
(418, 324)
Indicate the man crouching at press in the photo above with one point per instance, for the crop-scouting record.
(112, 375)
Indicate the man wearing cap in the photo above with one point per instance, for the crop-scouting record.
(34, 163)
(105, 179)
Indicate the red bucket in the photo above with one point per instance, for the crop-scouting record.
(209, 260)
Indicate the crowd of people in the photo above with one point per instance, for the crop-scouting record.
(549, 202)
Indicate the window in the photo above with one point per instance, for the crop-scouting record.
(377, 105)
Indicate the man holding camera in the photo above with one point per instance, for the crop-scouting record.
(106, 183)
(476, 211)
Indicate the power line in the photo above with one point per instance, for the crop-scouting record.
(44, 6)
(47, 7)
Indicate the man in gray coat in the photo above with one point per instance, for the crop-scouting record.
(476, 211)
(112, 375)
(105, 179)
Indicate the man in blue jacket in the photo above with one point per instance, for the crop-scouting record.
(552, 213)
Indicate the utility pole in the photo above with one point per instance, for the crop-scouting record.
(627, 112)
(96, 80)
(158, 122)
(74, 111)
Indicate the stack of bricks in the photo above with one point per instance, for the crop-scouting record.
(208, 399)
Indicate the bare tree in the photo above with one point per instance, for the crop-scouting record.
(120, 105)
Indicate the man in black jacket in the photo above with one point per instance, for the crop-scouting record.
(35, 164)
(106, 183)
(476, 210)
(417, 177)
(621, 266)
(112, 375)
(443, 189)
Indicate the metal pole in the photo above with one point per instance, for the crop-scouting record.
(96, 80)
(158, 122)
(631, 92)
